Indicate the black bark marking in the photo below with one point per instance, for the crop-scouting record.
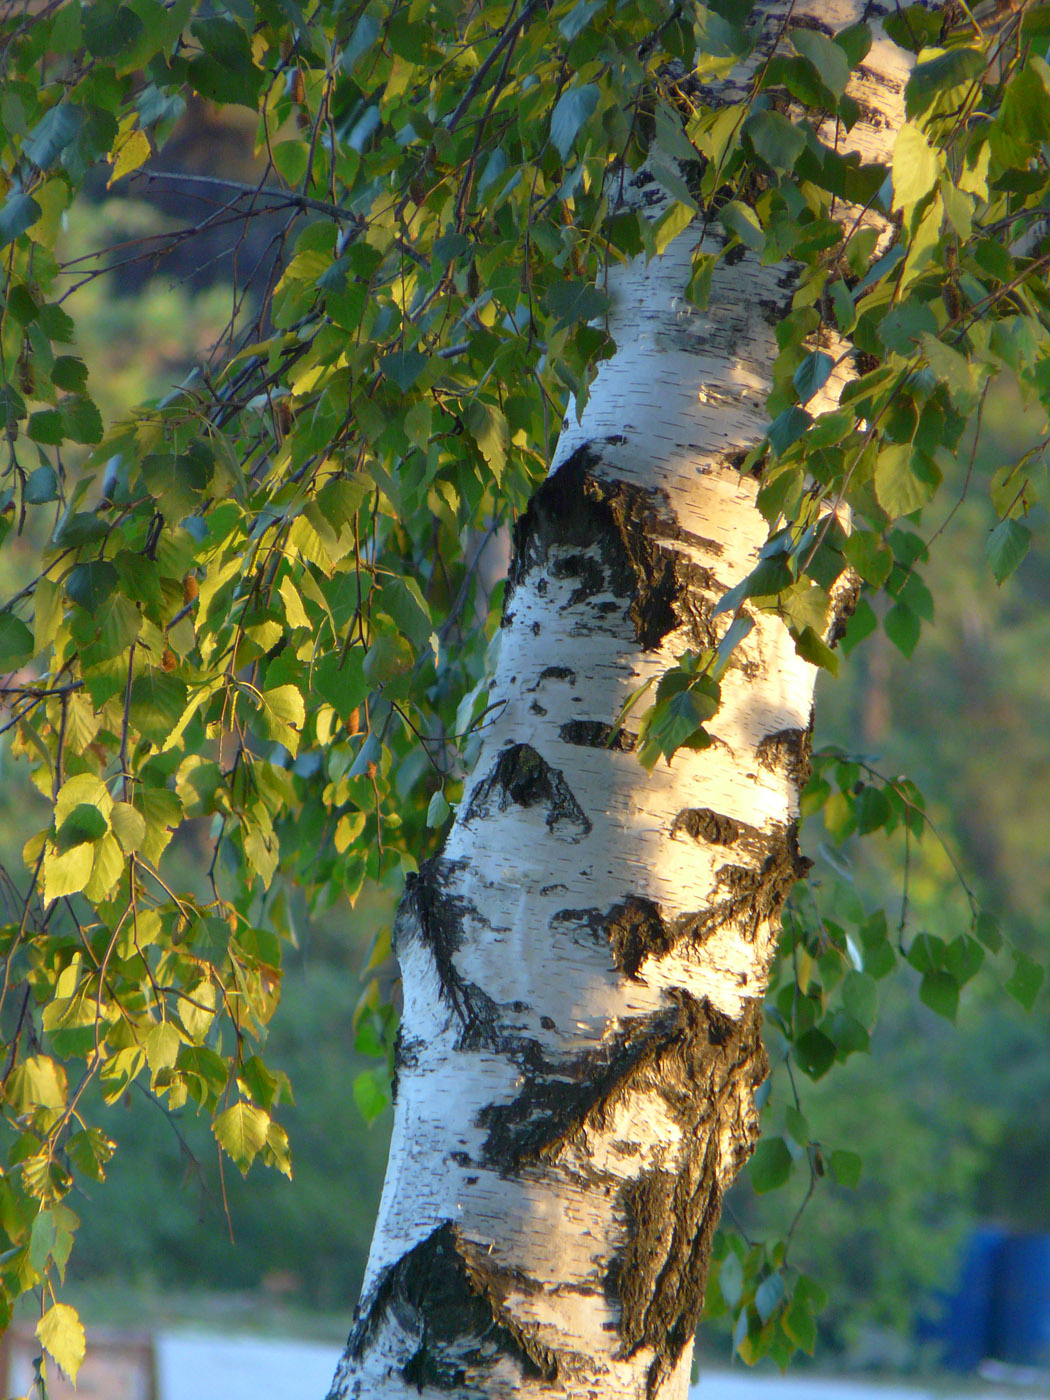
(788, 750)
(636, 930)
(603, 534)
(558, 673)
(594, 734)
(450, 1305)
(712, 1069)
(561, 1097)
(523, 777)
(702, 824)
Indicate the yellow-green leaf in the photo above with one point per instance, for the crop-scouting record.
(61, 1334)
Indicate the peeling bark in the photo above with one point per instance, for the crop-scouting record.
(584, 964)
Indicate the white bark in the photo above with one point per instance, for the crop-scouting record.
(584, 964)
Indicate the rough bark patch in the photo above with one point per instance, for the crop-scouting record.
(449, 1310)
(561, 1097)
(593, 734)
(702, 824)
(710, 1071)
(636, 930)
(603, 534)
(789, 750)
(523, 777)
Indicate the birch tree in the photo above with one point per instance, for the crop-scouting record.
(761, 264)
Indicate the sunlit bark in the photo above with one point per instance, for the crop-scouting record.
(584, 964)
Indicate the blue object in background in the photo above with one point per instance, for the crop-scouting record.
(1021, 1311)
(966, 1325)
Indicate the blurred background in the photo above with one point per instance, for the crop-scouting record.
(953, 1123)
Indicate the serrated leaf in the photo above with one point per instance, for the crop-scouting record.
(488, 427)
(129, 825)
(66, 872)
(1007, 546)
(776, 139)
(905, 479)
(573, 302)
(84, 823)
(937, 75)
(61, 1334)
(940, 992)
(573, 109)
(916, 167)
(283, 714)
(860, 996)
(438, 810)
(812, 374)
(81, 420)
(370, 1094)
(38, 1082)
(52, 134)
(826, 56)
(1025, 980)
(41, 486)
(903, 628)
(241, 1132)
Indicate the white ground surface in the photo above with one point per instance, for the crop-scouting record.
(193, 1366)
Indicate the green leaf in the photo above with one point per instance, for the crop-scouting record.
(403, 367)
(38, 1082)
(225, 71)
(84, 823)
(438, 810)
(903, 325)
(41, 486)
(18, 213)
(370, 1094)
(67, 873)
(241, 1132)
(771, 1164)
(573, 109)
(826, 57)
(52, 134)
(812, 374)
(940, 992)
(776, 139)
(129, 825)
(61, 1334)
(741, 220)
(787, 428)
(389, 656)
(951, 69)
(91, 584)
(916, 167)
(1025, 980)
(16, 642)
(903, 628)
(283, 714)
(847, 1168)
(815, 1052)
(769, 1295)
(905, 479)
(46, 426)
(573, 302)
(488, 427)
(157, 703)
(1006, 547)
(860, 996)
(81, 420)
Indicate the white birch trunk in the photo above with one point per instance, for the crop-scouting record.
(584, 964)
